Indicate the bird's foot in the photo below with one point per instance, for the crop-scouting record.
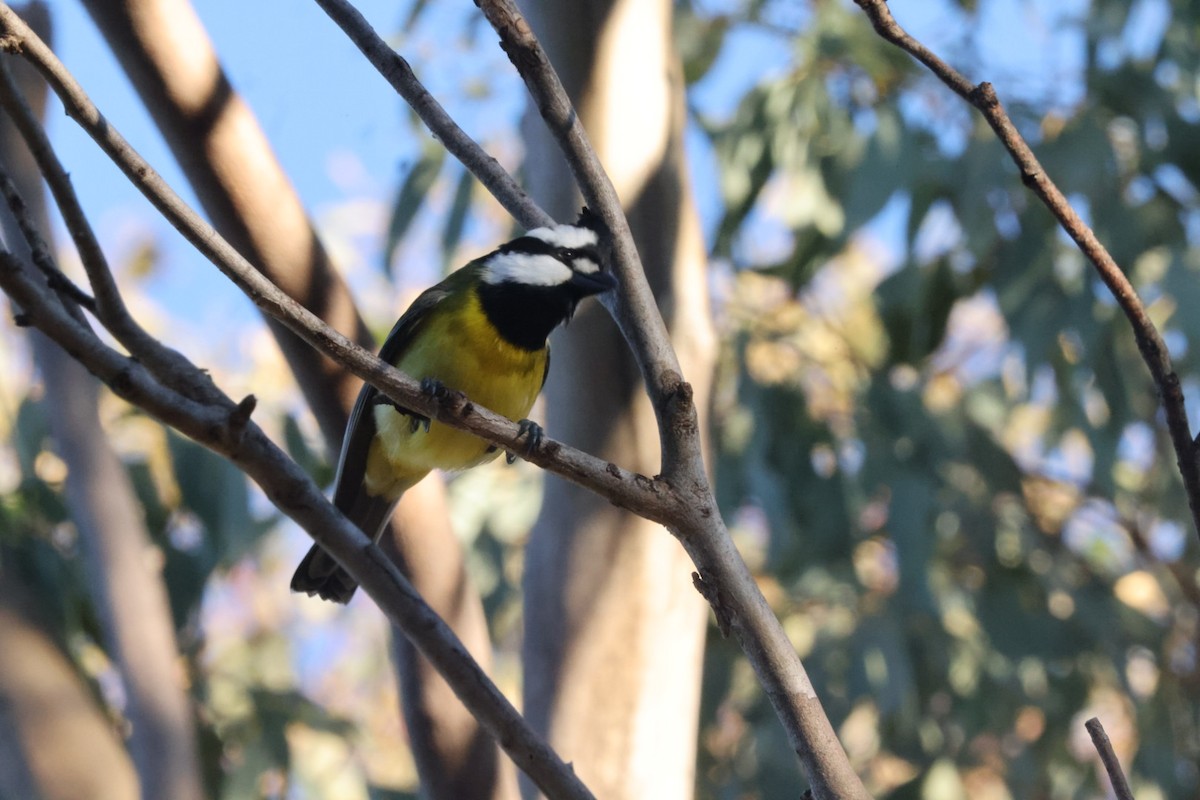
(532, 433)
(434, 388)
(438, 391)
(415, 420)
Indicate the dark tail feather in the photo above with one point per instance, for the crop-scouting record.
(320, 574)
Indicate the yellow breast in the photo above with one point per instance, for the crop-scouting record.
(461, 349)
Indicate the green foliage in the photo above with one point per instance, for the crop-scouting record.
(315, 464)
(37, 549)
(960, 524)
(215, 492)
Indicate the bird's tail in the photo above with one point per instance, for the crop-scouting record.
(320, 574)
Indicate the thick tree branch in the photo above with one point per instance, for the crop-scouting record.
(56, 743)
(397, 72)
(227, 429)
(1150, 343)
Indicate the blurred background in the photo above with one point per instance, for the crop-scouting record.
(931, 432)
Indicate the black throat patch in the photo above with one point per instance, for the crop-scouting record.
(525, 315)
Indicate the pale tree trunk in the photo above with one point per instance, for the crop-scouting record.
(614, 629)
(127, 588)
(165, 50)
(55, 742)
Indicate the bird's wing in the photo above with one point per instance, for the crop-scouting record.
(360, 430)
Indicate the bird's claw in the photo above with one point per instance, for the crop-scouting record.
(434, 388)
(532, 433)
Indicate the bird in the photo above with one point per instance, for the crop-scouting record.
(482, 331)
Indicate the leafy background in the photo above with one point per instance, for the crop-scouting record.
(935, 441)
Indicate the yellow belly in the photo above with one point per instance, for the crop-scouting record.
(470, 358)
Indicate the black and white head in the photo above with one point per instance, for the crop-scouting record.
(532, 284)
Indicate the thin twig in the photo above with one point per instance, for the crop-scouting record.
(226, 429)
(397, 72)
(1109, 758)
(1150, 344)
(39, 250)
(108, 306)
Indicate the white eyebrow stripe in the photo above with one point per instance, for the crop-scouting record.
(526, 268)
(568, 236)
(585, 265)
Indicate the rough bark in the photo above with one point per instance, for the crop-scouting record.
(212, 132)
(614, 629)
(132, 600)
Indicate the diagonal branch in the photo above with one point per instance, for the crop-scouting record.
(38, 249)
(227, 429)
(108, 305)
(1149, 341)
(636, 311)
(399, 74)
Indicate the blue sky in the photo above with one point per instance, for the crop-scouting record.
(341, 133)
(312, 92)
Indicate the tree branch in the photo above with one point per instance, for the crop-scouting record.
(39, 251)
(108, 305)
(635, 311)
(1150, 344)
(1109, 758)
(397, 72)
(228, 430)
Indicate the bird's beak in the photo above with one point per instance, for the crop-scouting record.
(594, 283)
